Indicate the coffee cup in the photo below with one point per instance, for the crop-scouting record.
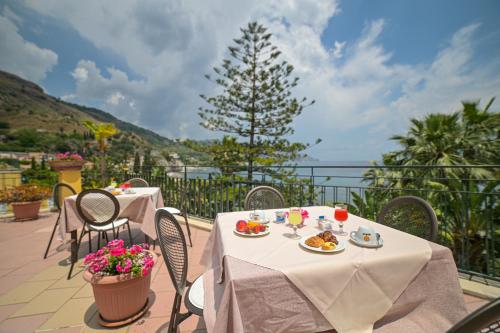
(364, 234)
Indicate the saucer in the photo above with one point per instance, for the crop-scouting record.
(365, 244)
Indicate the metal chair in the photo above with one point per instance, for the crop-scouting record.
(58, 200)
(486, 319)
(264, 197)
(183, 213)
(99, 210)
(138, 182)
(174, 250)
(412, 215)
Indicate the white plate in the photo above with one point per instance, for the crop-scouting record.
(364, 244)
(340, 246)
(263, 233)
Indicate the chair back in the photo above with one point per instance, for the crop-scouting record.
(412, 215)
(486, 319)
(59, 192)
(264, 197)
(173, 248)
(97, 207)
(138, 182)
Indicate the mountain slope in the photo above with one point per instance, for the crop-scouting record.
(23, 104)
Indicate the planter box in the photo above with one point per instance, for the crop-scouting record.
(59, 165)
(26, 210)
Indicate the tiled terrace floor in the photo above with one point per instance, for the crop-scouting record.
(36, 297)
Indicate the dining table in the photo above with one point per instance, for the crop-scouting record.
(139, 206)
(272, 283)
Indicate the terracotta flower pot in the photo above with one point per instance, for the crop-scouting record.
(26, 210)
(59, 165)
(120, 299)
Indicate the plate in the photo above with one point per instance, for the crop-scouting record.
(252, 235)
(363, 244)
(340, 246)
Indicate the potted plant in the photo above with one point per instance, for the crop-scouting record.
(120, 279)
(25, 200)
(67, 160)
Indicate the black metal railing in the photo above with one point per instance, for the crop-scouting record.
(467, 205)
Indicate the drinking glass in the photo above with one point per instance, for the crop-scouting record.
(295, 219)
(341, 216)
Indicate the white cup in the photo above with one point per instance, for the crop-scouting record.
(365, 234)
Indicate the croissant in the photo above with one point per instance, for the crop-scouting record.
(314, 241)
(327, 236)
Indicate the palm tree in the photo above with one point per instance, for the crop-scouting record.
(101, 131)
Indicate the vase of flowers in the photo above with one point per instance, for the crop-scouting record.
(25, 200)
(67, 160)
(120, 279)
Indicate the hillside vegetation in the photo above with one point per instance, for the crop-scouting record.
(31, 120)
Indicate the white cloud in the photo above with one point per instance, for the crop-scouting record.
(338, 48)
(362, 95)
(19, 56)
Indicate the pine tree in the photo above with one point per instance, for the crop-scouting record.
(146, 162)
(33, 163)
(43, 165)
(137, 163)
(256, 107)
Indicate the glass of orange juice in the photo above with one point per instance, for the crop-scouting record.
(295, 218)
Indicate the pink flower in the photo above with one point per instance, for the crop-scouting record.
(135, 249)
(119, 268)
(89, 258)
(117, 243)
(118, 251)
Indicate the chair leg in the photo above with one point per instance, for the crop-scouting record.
(188, 230)
(52, 235)
(77, 249)
(98, 240)
(173, 315)
(90, 242)
(129, 234)
(105, 234)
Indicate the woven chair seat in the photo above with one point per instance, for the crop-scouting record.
(195, 296)
(171, 210)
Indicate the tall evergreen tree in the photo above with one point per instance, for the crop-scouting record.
(137, 163)
(256, 107)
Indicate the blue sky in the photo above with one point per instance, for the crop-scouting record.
(370, 65)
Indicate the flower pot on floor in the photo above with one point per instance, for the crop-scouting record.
(26, 210)
(122, 298)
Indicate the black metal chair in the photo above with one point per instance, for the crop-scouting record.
(138, 182)
(174, 250)
(58, 200)
(486, 319)
(99, 210)
(412, 215)
(183, 212)
(264, 197)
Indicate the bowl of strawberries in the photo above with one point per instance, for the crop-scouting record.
(251, 229)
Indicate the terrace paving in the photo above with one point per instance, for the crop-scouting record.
(36, 297)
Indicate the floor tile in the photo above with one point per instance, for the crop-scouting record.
(74, 329)
(76, 281)
(25, 292)
(147, 325)
(54, 272)
(7, 310)
(5, 271)
(48, 301)
(8, 282)
(162, 304)
(23, 324)
(92, 326)
(75, 312)
(85, 291)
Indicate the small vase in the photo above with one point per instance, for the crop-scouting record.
(26, 210)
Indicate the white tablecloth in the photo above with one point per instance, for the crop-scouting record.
(351, 289)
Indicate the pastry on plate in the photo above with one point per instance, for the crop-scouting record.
(327, 246)
(328, 236)
(314, 241)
